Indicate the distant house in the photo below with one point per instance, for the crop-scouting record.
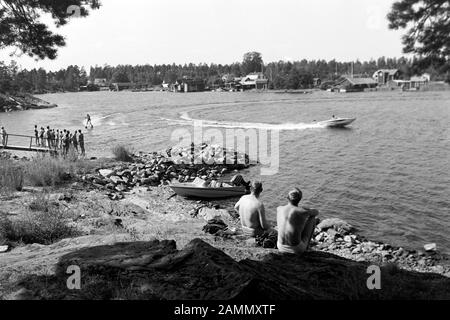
(419, 81)
(351, 84)
(165, 85)
(227, 78)
(232, 83)
(255, 80)
(119, 86)
(101, 82)
(383, 76)
(317, 82)
(188, 85)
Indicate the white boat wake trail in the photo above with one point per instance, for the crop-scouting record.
(185, 119)
(110, 119)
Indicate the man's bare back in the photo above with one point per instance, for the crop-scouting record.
(252, 213)
(295, 225)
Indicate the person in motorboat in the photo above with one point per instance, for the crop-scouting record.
(252, 213)
(238, 180)
(295, 225)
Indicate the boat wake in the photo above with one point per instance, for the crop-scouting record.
(110, 119)
(185, 119)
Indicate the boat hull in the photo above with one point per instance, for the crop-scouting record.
(190, 191)
(338, 123)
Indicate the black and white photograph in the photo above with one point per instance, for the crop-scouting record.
(223, 157)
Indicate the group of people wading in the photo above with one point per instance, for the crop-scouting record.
(62, 140)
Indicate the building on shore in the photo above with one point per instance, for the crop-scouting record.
(232, 83)
(255, 80)
(188, 85)
(119, 86)
(420, 81)
(317, 82)
(101, 82)
(351, 84)
(384, 76)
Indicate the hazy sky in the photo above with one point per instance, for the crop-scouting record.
(221, 31)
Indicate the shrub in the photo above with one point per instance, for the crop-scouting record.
(11, 176)
(47, 171)
(44, 227)
(41, 202)
(122, 153)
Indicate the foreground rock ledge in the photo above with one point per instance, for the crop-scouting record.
(157, 270)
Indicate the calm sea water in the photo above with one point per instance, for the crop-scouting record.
(388, 175)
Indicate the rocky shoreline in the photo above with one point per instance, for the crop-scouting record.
(23, 101)
(331, 235)
(117, 204)
(160, 168)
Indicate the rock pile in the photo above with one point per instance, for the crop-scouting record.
(336, 236)
(154, 169)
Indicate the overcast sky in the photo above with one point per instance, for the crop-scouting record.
(221, 31)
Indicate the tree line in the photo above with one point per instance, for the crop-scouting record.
(281, 74)
(427, 37)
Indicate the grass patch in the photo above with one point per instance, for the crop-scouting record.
(47, 171)
(43, 227)
(122, 153)
(44, 171)
(11, 177)
(41, 202)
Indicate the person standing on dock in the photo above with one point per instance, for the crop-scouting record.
(36, 134)
(3, 136)
(81, 142)
(48, 136)
(41, 137)
(66, 144)
(61, 139)
(57, 139)
(75, 141)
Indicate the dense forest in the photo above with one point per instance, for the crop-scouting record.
(281, 74)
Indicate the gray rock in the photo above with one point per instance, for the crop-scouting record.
(320, 237)
(106, 172)
(430, 247)
(357, 250)
(348, 239)
(332, 233)
(4, 248)
(121, 188)
(336, 224)
(116, 179)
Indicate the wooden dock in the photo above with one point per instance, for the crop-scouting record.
(16, 142)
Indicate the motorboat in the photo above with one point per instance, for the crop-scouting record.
(191, 190)
(338, 122)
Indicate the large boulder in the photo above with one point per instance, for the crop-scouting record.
(336, 224)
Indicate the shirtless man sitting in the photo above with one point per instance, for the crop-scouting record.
(252, 213)
(295, 225)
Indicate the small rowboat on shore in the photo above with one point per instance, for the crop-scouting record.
(194, 191)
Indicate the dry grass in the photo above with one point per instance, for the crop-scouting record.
(43, 227)
(122, 153)
(46, 171)
(11, 177)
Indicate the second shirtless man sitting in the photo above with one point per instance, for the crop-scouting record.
(295, 225)
(252, 213)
